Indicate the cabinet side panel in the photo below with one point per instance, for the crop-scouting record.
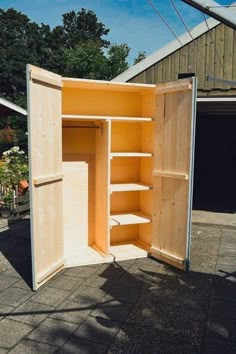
(102, 181)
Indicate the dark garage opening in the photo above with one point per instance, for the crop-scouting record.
(215, 163)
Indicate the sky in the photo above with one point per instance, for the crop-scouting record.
(130, 21)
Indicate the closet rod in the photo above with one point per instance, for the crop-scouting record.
(81, 126)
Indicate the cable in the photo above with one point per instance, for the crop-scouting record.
(209, 31)
(194, 41)
(165, 22)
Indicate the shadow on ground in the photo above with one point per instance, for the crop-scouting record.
(136, 306)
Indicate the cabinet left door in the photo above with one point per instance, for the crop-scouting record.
(45, 164)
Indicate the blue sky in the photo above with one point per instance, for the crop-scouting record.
(130, 21)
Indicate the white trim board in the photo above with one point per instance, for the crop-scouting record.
(216, 99)
(12, 106)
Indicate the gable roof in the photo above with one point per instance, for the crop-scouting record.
(7, 107)
(166, 50)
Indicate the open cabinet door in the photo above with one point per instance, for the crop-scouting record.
(45, 162)
(173, 171)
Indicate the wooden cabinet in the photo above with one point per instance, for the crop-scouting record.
(111, 171)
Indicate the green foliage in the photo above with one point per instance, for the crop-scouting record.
(140, 57)
(14, 168)
(76, 48)
(117, 60)
(86, 60)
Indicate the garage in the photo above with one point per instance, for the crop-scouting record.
(215, 155)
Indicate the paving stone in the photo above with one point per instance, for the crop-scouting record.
(11, 272)
(72, 311)
(223, 328)
(80, 272)
(80, 346)
(214, 346)
(99, 281)
(110, 269)
(31, 313)
(27, 346)
(227, 251)
(88, 295)
(14, 296)
(131, 280)
(5, 310)
(140, 340)
(123, 294)
(98, 330)
(22, 284)
(6, 281)
(224, 288)
(53, 332)
(50, 296)
(222, 308)
(228, 261)
(11, 332)
(112, 310)
(66, 282)
(126, 264)
(226, 271)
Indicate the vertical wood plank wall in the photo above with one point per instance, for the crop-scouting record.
(205, 56)
(45, 159)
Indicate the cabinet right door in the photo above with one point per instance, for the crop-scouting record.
(173, 171)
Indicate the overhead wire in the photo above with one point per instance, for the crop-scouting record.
(214, 44)
(165, 22)
(190, 34)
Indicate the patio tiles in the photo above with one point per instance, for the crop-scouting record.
(31, 313)
(14, 296)
(53, 332)
(11, 332)
(50, 296)
(27, 346)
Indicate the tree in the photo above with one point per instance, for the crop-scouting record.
(76, 48)
(86, 60)
(140, 57)
(83, 26)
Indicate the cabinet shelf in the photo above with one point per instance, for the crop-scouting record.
(112, 118)
(127, 218)
(129, 187)
(131, 154)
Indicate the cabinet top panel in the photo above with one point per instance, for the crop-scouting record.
(105, 85)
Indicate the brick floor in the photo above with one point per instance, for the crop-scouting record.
(137, 306)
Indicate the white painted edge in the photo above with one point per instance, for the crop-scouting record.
(191, 174)
(216, 99)
(12, 106)
(165, 51)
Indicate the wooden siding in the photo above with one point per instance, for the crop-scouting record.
(205, 57)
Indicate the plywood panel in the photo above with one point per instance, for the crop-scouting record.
(125, 170)
(125, 137)
(123, 201)
(45, 159)
(75, 210)
(102, 180)
(124, 233)
(99, 102)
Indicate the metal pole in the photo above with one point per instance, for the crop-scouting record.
(213, 9)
